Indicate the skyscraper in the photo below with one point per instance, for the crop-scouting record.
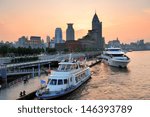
(70, 32)
(48, 39)
(58, 35)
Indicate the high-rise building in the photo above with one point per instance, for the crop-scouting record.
(58, 35)
(48, 41)
(70, 32)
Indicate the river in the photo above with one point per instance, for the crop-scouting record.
(117, 84)
(106, 82)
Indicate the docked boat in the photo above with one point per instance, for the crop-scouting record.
(69, 76)
(115, 57)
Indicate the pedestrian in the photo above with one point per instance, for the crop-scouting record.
(20, 93)
(24, 92)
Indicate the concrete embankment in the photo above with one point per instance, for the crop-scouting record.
(28, 96)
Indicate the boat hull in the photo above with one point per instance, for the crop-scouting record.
(116, 63)
(62, 93)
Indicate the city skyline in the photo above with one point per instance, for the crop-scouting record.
(128, 20)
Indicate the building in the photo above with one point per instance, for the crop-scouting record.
(94, 39)
(74, 46)
(114, 43)
(22, 42)
(34, 42)
(58, 35)
(70, 32)
(52, 43)
(48, 40)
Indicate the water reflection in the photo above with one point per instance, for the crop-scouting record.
(116, 69)
(115, 83)
(106, 82)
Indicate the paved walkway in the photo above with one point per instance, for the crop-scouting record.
(13, 92)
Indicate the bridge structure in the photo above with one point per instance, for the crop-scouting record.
(31, 68)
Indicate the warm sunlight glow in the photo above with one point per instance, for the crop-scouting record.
(129, 20)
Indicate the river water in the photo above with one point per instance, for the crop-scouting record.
(115, 83)
(106, 82)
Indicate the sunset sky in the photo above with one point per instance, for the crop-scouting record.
(129, 20)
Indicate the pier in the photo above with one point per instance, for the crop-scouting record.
(30, 87)
(9, 71)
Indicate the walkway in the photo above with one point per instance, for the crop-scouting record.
(12, 92)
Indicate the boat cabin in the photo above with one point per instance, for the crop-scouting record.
(66, 67)
(112, 49)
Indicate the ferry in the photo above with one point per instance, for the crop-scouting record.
(69, 76)
(115, 57)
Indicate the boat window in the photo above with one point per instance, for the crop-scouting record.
(65, 67)
(61, 67)
(49, 80)
(117, 55)
(72, 67)
(84, 74)
(53, 82)
(76, 79)
(113, 50)
(65, 81)
(71, 79)
(68, 67)
(60, 82)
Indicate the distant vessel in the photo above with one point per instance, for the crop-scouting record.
(130, 50)
(115, 57)
(69, 76)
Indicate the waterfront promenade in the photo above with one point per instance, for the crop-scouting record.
(13, 92)
(33, 84)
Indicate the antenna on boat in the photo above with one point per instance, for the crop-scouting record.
(70, 57)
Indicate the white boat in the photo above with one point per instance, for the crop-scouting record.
(115, 57)
(68, 77)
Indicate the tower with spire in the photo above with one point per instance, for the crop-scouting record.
(97, 25)
(97, 32)
(94, 39)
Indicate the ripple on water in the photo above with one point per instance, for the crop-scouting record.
(114, 83)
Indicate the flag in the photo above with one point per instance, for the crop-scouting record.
(43, 82)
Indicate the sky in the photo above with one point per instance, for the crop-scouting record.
(129, 20)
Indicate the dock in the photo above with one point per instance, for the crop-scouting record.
(30, 87)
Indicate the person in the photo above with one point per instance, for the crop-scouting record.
(24, 92)
(21, 94)
(25, 80)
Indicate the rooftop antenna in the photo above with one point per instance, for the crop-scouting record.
(95, 11)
